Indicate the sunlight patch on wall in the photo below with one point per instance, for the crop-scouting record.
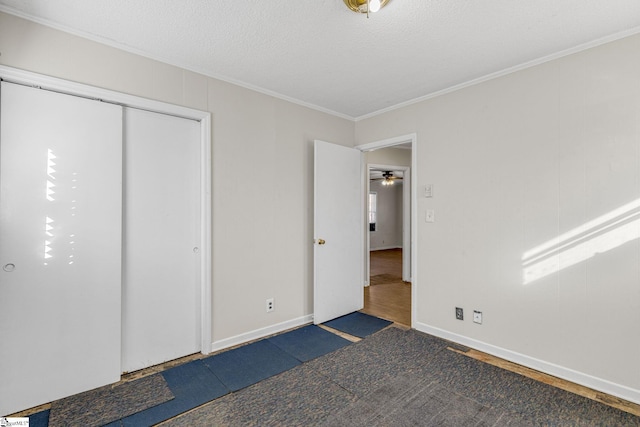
(50, 175)
(49, 193)
(600, 235)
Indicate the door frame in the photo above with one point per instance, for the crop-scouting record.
(406, 221)
(411, 138)
(28, 78)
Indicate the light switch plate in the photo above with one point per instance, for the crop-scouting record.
(428, 190)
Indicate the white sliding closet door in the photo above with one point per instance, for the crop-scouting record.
(60, 245)
(161, 305)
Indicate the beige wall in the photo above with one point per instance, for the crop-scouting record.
(516, 162)
(262, 168)
(388, 232)
(389, 156)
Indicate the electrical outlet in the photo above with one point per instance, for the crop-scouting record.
(430, 216)
(477, 316)
(459, 313)
(270, 305)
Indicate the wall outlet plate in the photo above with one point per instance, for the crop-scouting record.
(270, 305)
(430, 216)
(459, 313)
(477, 316)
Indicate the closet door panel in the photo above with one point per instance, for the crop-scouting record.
(60, 245)
(161, 281)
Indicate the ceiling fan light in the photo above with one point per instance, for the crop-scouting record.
(387, 181)
(364, 6)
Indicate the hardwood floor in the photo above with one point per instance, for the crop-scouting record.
(388, 297)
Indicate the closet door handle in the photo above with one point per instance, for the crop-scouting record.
(9, 267)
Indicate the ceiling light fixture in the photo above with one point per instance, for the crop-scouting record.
(388, 178)
(366, 6)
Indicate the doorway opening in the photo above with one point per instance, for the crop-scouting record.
(389, 249)
(387, 296)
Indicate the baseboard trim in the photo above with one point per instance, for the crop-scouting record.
(260, 333)
(595, 383)
(385, 248)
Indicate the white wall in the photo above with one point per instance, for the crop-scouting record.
(262, 232)
(389, 156)
(393, 231)
(516, 162)
(388, 232)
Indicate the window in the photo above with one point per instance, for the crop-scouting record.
(373, 198)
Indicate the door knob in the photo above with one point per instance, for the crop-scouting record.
(321, 241)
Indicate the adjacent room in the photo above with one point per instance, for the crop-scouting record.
(327, 212)
(388, 294)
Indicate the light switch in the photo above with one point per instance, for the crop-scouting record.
(431, 216)
(428, 190)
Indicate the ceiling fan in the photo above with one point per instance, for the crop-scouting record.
(387, 178)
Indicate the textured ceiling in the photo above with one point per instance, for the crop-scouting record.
(319, 53)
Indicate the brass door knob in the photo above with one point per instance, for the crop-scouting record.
(321, 241)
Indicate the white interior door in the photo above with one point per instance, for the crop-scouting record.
(161, 281)
(338, 230)
(60, 245)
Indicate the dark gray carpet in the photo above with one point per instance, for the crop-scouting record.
(366, 367)
(369, 364)
(106, 404)
(398, 378)
(299, 397)
(535, 402)
(406, 401)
